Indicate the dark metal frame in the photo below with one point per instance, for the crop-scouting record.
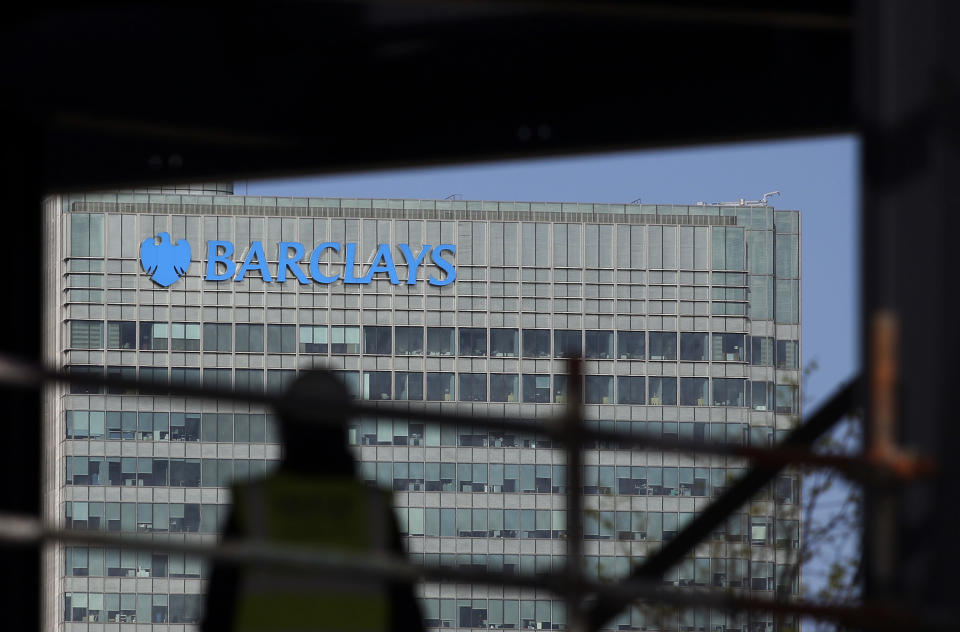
(89, 108)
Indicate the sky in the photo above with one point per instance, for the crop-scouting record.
(818, 176)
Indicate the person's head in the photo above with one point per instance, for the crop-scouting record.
(313, 424)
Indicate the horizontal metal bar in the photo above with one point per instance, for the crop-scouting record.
(26, 530)
(29, 375)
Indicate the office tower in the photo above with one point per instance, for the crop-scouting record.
(688, 318)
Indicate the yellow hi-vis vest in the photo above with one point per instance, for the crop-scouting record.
(338, 514)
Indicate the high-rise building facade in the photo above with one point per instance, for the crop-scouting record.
(688, 318)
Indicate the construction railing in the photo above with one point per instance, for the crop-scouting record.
(590, 605)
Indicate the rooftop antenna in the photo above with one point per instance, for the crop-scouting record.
(454, 196)
(746, 202)
(766, 195)
(637, 201)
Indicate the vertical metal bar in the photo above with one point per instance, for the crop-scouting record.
(21, 454)
(573, 427)
(909, 111)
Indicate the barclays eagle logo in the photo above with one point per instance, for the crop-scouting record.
(164, 262)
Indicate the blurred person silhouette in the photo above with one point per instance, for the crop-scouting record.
(312, 499)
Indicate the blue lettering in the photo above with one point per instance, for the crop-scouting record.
(386, 257)
(290, 263)
(291, 253)
(319, 277)
(213, 258)
(444, 265)
(349, 259)
(413, 262)
(256, 250)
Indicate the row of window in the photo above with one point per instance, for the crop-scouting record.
(440, 341)
(500, 614)
(623, 480)
(378, 432)
(151, 426)
(480, 242)
(527, 524)
(82, 561)
(725, 573)
(549, 524)
(543, 614)
(498, 303)
(146, 517)
(660, 283)
(419, 476)
(260, 428)
(163, 472)
(131, 608)
(475, 387)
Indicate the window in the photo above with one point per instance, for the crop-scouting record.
(663, 345)
(409, 340)
(631, 390)
(567, 343)
(599, 344)
(631, 345)
(761, 351)
(313, 339)
(409, 386)
(153, 336)
(121, 373)
(504, 343)
(183, 376)
(729, 348)
(122, 425)
(693, 347)
(728, 248)
(473, 387)
(504, 388)
(787, 399)
(663, 391)
(693, 391)
(536, 343)
(536, 388)
(185, 337)
(473, 342)
(217, 378)
(344, 339)
(761, 395)
(86, 334)
(377, 340)
(787, 308)
(376, 384)
(249, 338)
(250, 380)
(279, 379)
(217, 337)
(185, 427)
(121, 334)
(351, 380)
(599, 389)
(728, 391)
(155, 374)
(440, 386)
(86, 235)
(788, 354)
(439, 341)
(281, 338)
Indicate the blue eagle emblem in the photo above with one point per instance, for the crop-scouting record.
(164, 262)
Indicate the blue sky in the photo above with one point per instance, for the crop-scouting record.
(817, 176)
